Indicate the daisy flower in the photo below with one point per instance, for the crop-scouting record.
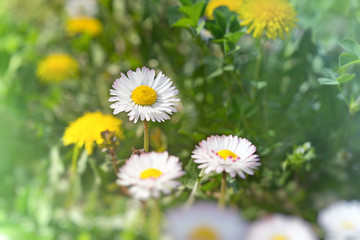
(84, 24)
(75, 8)
(144, 96)
(57, 67)
(231, 154)
(274, 17)
(86, 130)
(341, 220)
(149, 174)
(205, 221)
(232, 5)
(280, 227)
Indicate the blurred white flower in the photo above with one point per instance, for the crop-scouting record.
(149, 174)
(144, 96)
(280, 227)
(205, 34)
(205, 221)
(231, 154)
(4, 236)
(341, 220)
(76, 8)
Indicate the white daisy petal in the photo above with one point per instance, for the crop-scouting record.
(76, 8)
(281, 227)
(231, 154)
(341, 220)
(150, 174)
(143, 95)
(205, 221)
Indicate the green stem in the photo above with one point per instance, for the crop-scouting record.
(74, 159)
(222, 191)
(241, 84)
(258, 64)
(146, 136)
(344, 131)
(343, 95)
(114, 160)
(191, 198)
(155, 220)
(257, 69)
(144, 217)
(74, 181)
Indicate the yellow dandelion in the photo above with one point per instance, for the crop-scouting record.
(88, 25)
(86, 130)
(56, 68)
(232, 5)
(275, 17)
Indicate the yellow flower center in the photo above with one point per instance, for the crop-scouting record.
(144, 95)
(348, 225)
(226, 153)
(203, 233)
(150, 173)
(279, 237)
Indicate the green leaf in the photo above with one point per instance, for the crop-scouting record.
(346, 58)
(329, 73)
(220, 18)
(193, 12)
(301, 155)
(229, 68)
(259, 84)
(327, 81)
(350, 46)
(183, 22)
(345, 78)
(213, 67)
(230, 48)
(349, 64)
(4, 61)
(192, 174)
(234, 36)
(225, 22)
(215, 73)
(354, 105)
(200, 27)
(185, 2)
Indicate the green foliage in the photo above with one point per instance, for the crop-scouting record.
(229, 83)
(192, 15)
(346, 60)
(300, 157)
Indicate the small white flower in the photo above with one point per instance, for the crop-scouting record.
(205, 221)
(280, 227)
(231, 154)
(149, 174)
(341, 220)
(144, 96)
(77, 8)
(205, 34)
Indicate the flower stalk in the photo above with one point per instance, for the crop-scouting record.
(109, 143)
(146, 136)
(154, 223)
(222, 191)
(74, 159)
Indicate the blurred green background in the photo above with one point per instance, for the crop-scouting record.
(287, 107)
